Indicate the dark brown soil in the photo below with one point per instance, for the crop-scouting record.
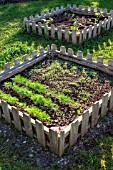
(84, 86)
(67, 19)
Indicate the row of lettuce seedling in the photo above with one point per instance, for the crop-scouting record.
(32, 110)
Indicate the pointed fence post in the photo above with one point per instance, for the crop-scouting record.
(70, 52)
(90, 31)
(39, 28)
(7, 66)
(73, 133)
(80, 36)
(52, 31)
(104, 107)
(27, 124)
(74, 37)
(67, 34)
(95, 114)
(85, 121)
(95, 30)
(111, 100)
(108, 23)
(46, 31)
(53, 140)
(63, 50)
(79, 55)
(16, 117)
(59, 32)
(34, 27)
(25, 58)
(99, 27)
(6, 112)
(89, 57)
(61, 143)
(40, 132)
(84, 34)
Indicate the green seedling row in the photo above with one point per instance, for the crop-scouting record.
(36, 98)
(33, 111)
(44, 89)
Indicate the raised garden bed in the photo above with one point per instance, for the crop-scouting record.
(71, 24)
(56, 96)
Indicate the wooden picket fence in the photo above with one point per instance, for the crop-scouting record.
(70, 36)
(57, 139)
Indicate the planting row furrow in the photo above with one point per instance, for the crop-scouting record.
(44, 89)
(33, 111)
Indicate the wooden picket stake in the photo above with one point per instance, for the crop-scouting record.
(6, 112)
(104, 107)
(61, 143)
(95, 114)
(59, 32)
(53, 140)
(85, 121)
(74, 37)
(73, 133)
(27, 124)
(111, 100)
(16, 117)
(40, 132)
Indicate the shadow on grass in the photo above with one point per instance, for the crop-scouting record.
(101, 45)
(19, 11)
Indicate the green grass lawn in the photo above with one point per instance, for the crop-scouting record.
(14, 43)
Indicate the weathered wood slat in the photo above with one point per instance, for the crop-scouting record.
(61, 143)
(73, 133)
(53, 140)
(95, 114)
(74, 37)
(111, 100)
(104, 107)
(67, 34)
(27, 124)
(40, 132)
(85, 121)
(16, 117)
(59, 33)
(6, 112)
(52, 31)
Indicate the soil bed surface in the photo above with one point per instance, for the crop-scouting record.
(73, 21)
(64, 89)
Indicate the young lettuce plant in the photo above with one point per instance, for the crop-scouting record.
(33, 111)
(47, 21)
(75, 26)
(36, 98)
